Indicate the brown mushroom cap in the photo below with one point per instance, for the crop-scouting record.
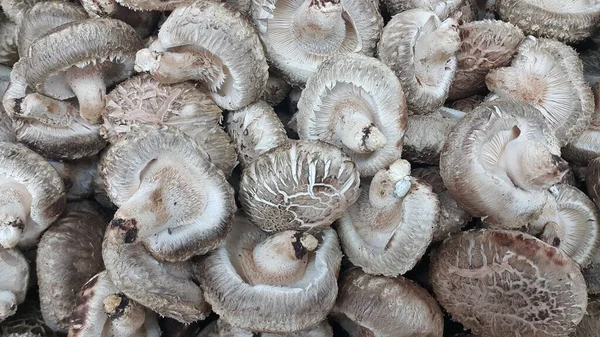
(481, 275)
(9, 53)
(220, 328)
(14, 281)
(386, 307)
(463, 9)
(143, 100)
(304, 185)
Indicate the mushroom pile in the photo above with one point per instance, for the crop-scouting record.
(221, 168)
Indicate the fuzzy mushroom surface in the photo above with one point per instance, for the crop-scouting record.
(9, 51)
(465, 9)
(220, 328)
(14, 280)
(585, 148)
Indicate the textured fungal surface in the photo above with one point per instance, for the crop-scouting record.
(483, 275)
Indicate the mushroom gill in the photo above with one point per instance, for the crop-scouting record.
(14, 281)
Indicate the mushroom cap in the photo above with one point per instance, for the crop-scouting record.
(549, 76)
(153, 5)
(9, 53)
(205, 198)
(425, 137)
(14, 277)
(45, 187)
(229, 40)
(276, 90)
(143, 100)
(481, 275)
(275, 20)
(382, 306)
(465, 9)
(220, 328)
(255, 129)
(304, 185)
(485, 45)
(472, 170)
(16, 9)
(264, 307)
(69, 254)
(354, 82)
(564, 21)
(52, 54)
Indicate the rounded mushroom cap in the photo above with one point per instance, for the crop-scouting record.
(570, 21)
(464, 9)
(356, 103)
(381, 306)
(14, 281)
(304, 185)
(221, 328)
(425, 136)
(69, 254)
(225, 275)
(142, 100)
(9, 52)
(481, 274)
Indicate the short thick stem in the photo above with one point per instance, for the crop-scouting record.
(8, 304)
(390, 185)
(126, 316)
(90, 89)
(358, 133)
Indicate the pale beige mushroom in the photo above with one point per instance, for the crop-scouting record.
(14, 281)
(465, 10)
(16, 9)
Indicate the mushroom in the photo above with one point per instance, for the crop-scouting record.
(356, 103)
(143, 100)
(209, 42)
(69, 254)
(32, 195)
(298, 35)
(592, 180)
(499, 162)
(7, 134)
(8, 41)
(14, 280)
(61, 69)
(16, 9)
(78, 177)
(255, 129)
(28, 321)
(548, 75)
(143, 22)
(586, 147)
(463, 9)
(276, 90)
(299, 185)
(485, 45)
(221, 328)
(277, 284)
(568, 21)
(391, 225)
(420, 49)
(370, 305)
(592, 275)
(102, 311)
(481, 276)
(590, 324)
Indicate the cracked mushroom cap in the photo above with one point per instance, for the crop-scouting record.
(568, 21)
(299, 35)
(481, 275)
(78, 177)
(499, 162)
(255, 130)
(303, 185)
(548, 75)
(485, 45)
(60, 68)
(14, 280)
(586, 147)
(142, 100)
(277, 284)
(370, 305)
(356, 103)
(220, 328)
(420, 49)
(462, 9)
(68, 255)
(101, 310)
(9, 52)
(32, 195)
(210, 43)
(387, 231)
(161, 180)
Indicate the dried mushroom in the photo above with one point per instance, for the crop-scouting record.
(208, 42)
(300, 34)
(356, 103)
(278, 284)
(9, 52)
(14, 280)
(16, 9)
(220, 328)
(481, 275)
(592, 180)
(465, 9)
(590, 324)
(586, 147)
(391, 225)
(591, 274)
(143, 22)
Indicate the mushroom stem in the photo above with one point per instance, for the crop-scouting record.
(90, 89)
(15, 205)
(127, 317)
(357, 132)
(8, 304)
(390, 185)
(47, 110)
(435, 48)
(281, 259)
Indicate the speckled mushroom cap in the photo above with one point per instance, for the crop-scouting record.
(16, 9)
(276, 90)
(14, 281)
(304, 185)
(420, 49)
(481, 275)
(9, 53)
(356, 103)
(300, 34)
(484, 45)
(211, 43)
(161, 180)
(464, 9)
(548, 75)
(568, 21)
(370, 305)
(32, 195)
(391, 225)
(143, 100)
(220, 328)
(586, 147)
(255, 129)
(498, 163)
(102, 310)
(242, 284)
(68, 255)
